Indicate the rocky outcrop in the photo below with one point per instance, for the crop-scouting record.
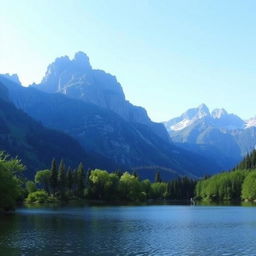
(77, 79)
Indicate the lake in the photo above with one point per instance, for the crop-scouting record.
(130, 230)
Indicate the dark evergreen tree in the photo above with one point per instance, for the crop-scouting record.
(54, 177)
(69, 179)
(158, 177)
(249, 162)
(87, 178)
(80, 180)
(62, 179)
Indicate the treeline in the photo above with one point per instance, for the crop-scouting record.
(236, 185)
(57, 183)
(226, 186)
(63, 184)
(229, 186)
(249, 162)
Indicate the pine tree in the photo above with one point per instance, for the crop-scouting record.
(158, 177)
(54, 177)
(69, 179)
(87, 178)
(80, 180)
(62, 179)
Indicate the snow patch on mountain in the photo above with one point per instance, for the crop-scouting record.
(181, 125)
(250, 123)
(218, 118)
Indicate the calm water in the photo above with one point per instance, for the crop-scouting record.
(130, 230)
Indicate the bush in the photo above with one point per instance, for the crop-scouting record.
(39, 197)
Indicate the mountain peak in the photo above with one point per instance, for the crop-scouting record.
(219, 113)
(82, 59)
(203, 110)
(13, 77)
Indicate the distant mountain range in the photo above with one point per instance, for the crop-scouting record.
(89, 105)
(225, 134)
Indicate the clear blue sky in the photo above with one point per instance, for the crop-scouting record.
(168, 55)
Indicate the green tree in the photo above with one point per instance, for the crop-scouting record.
(130, 188)
(10, 185)
(39, 197)
(80, 180)
(249, 187)
(100, 184)
(54, 177)
(69, 179)
(43, 178)
(158, 190)
(158, 177)
(62, 179)
(30, 186)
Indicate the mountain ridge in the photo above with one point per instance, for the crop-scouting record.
(229, 135)
(102, 131)
(77, 79)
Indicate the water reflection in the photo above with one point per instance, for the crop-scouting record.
(129, 230)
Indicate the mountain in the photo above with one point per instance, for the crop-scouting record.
(218, 118)
(132, 145)
(77, 79)
(36, 145)
(250, 123)
(226, 134)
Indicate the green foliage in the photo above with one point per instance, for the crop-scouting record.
(181, 188)
(39, 197)
(130, 188)
(43, 178)
(30, 186)
(158, 190)
(10, 185)
(54, 177)
(69, 179)
(222, 187)
(103, 185)
(158, 177)
(80, 180)
(62, 182)
(249, 162)
(249, 187)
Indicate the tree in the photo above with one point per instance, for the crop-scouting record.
(69, 179)
(130, 188)
(39, 197)
(10, 185)
(99, 181)
(43, 178)
(158, 177)
(158, 190)
(54, 177)
(249, 187)
(62, 179)
(80, 181)
(30, 186)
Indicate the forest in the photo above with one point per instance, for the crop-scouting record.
(235, 185)
(63, 184)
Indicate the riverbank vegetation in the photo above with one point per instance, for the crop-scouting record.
(238, 184)
(10, 183)
(62, 184)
